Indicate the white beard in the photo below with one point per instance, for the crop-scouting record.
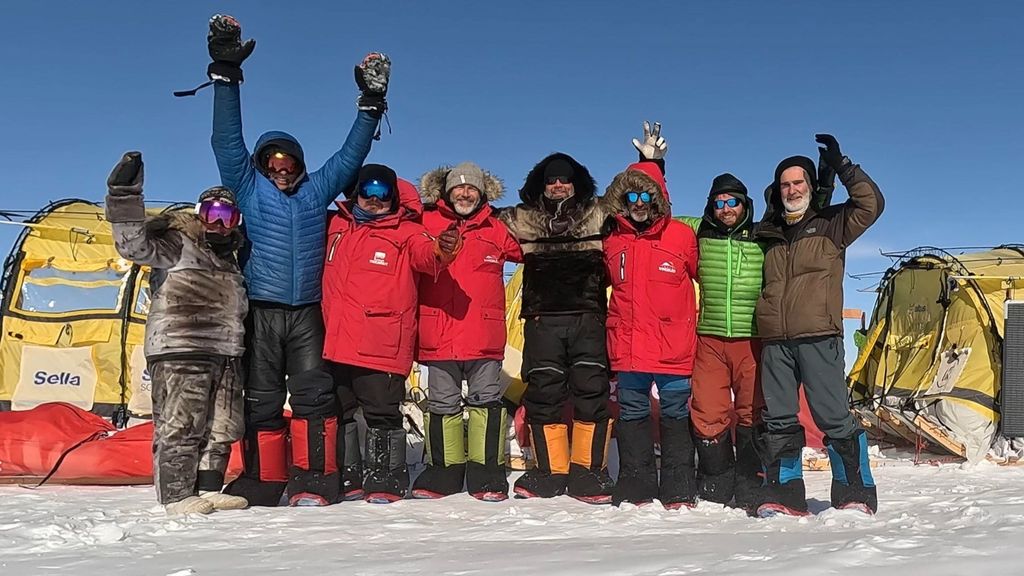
(639, 217)
(464, 211)
(799, 207)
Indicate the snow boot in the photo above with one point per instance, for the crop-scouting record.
(386, 477)
(853, 486)
(223, 501)
(265, 462)
(352, 469)
(678, 487)
(716, 468)
(781, 455)
(445, 451)
(485, 471)
(749, 475)
(314, 478)
(551, 475)
(638, 472)
(589, 480)
(190, 505)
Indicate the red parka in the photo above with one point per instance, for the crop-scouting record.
(369, 285)
(653, 309)
(462, 310)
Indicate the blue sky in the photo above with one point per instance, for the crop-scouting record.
(926, 96)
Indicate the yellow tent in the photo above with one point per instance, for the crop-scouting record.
(931, 361)
(73, 316)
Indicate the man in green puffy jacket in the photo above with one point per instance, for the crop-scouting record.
(725, 370)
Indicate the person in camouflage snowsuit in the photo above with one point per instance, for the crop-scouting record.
(194, 334)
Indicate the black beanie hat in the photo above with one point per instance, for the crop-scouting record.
(727, 184)
(559, 167)
(802, 161)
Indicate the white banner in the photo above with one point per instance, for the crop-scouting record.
(141, 401)
(55, 375)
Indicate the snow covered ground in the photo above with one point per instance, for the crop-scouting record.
(933, 520)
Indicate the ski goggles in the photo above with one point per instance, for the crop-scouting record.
(375, 189)
(558, 179)
(731, 203)
(632, 197)
(279, 162)
(213, 211)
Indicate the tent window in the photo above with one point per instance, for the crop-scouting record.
(55, 291)
(144, 299)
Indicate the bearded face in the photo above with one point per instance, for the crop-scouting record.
(465, 199)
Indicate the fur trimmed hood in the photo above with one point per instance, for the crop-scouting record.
(431, 186)
(639, 177)
(533, 188)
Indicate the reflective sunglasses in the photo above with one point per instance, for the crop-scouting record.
(375, 189)
(632, 197)
(553, 179)
(731, 203)
(279, 162)
(214, 211)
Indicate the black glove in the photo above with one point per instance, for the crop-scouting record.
(826, 182)
(126, 178)
(372, 76)
(830, 154)
(227, 49)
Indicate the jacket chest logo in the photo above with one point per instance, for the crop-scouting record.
(668, 267)
(490, 259)
(379, 259)
(810, 230)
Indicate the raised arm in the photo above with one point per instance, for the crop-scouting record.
(228, 52)
(341, 169)
(136, 238)
(865, 204)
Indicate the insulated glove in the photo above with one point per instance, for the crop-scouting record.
(449, 241)
(227, 49)
(372, 76)
(830, 154)
(826, 182)
(653, 147)
(126, 178)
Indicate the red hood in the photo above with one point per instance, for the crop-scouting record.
(410, 207)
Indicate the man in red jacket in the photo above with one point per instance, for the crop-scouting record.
(375, 247)
(462, 336)
(652, 261)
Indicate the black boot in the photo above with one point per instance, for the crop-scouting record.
(445, 451)
(589, 480)
(386, 476)
(265, 476)
(313, 477)
(485, 471)
(551, 475)
(781, 455)
(853, 486)
(678, 487)
(716, 468)
(638, 473)
(352, 469)
(749, 475)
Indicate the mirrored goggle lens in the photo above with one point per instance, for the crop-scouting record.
(731, 203)
(632, 197)
(375, 189)
(281, 162)
(214, 211)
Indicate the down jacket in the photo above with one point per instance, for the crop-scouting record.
(284, 259)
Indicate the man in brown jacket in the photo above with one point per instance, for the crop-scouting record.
(799, 318)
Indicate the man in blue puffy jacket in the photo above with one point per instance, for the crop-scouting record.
(285, 210)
